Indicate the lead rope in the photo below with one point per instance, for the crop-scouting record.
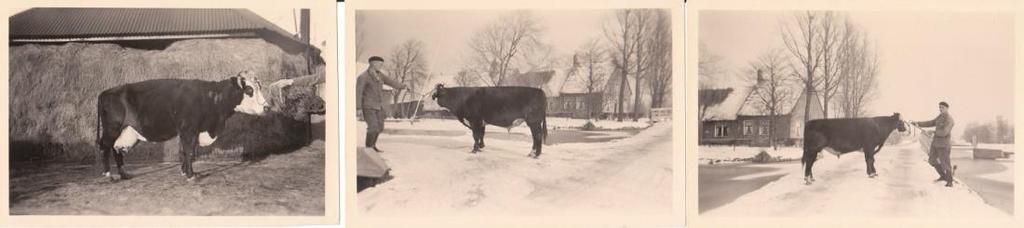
(419, 103)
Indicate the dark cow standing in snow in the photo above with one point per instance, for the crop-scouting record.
(160, 109)
(505, 107)
(841, 136)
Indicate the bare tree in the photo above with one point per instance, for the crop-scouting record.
(409, 67)
(708, 65)
(660, 74)
(858, 79)
(628, 35)
(360, 34)
(831, 43)
(589, 67)
(801, 40)
(772, 91)
(466, 78)
(496, 47)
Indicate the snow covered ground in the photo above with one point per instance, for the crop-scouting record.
(730, 153)
(903, 189)
(436, 175)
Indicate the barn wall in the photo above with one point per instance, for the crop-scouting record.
(53, 90)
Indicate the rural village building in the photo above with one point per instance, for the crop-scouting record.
(738, 121)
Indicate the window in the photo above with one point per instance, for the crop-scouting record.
(763, 130)
(748, 127)
(567, 105)
(721, 130)
(798, 131)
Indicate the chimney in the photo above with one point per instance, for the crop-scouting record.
(304, 26)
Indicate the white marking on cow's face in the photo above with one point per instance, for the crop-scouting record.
(253, 101)
(205, 139)
(127, 139)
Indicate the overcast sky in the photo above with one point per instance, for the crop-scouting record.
(445, 33)
(963, 58)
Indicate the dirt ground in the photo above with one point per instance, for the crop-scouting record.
(282, 184)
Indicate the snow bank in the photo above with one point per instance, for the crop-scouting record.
(436, 175)
(903, 189)
(706, 154)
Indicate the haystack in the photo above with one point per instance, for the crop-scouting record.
(53, 92)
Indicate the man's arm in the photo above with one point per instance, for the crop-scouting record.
(930, 123)
(391, 82)
(360, 87)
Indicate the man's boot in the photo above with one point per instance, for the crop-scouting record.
(942, 173)
(373, 142)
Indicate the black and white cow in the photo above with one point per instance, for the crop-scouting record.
(160, 109)
(846, 135)
(507, 107)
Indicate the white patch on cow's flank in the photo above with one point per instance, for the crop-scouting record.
(833, 151)
(205, 139)
(466, 122)
(127, 139)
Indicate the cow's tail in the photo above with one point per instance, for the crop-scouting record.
(544, 128)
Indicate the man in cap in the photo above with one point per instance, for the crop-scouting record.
(370, 98)
(938, 155)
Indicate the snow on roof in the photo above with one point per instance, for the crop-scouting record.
(728, 109)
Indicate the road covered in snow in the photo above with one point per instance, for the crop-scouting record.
(436, 175)
(905, 188)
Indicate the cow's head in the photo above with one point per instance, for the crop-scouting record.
(441, 95)
(252, 97)
(899, 122)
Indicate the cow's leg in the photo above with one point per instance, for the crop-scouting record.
(478, 134)
(483, 130)
(106, 161)
(869, 160)
(106, 144)
(119, 158)
(813, 144)
(188, 146)
(808, 159)
(537, 132)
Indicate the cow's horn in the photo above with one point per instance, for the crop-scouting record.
(241, 82)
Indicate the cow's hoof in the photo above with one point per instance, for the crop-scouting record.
(873, 175)
(183, 174)
(193, 179)
(126, 176)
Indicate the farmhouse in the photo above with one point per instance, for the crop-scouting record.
(566, 96)
(62, 58)
(739, 121)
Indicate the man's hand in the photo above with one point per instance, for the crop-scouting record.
(282, 83)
